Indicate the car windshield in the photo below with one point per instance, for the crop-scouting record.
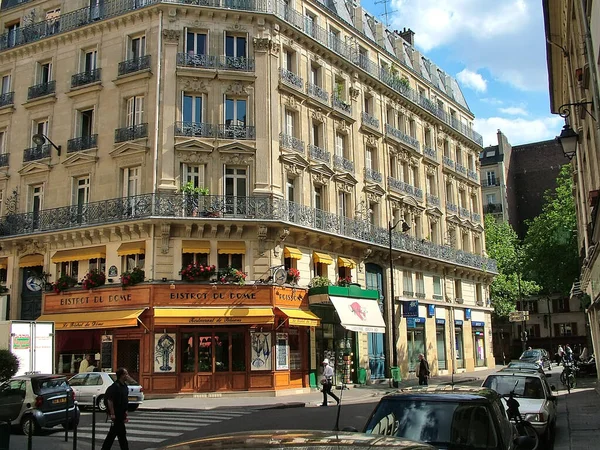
(130, 381)
(522, 365)
(47, 385)
(530, 354)
(455, 424)
(526, 387)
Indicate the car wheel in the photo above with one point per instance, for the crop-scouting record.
(100, 403)
(132, 408)
(29, 422)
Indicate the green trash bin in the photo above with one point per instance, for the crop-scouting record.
(4, 435)
(312, 380)
(396, 374)
(362, 375)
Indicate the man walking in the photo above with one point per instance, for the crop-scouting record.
(116, 407)
(423, 370)
(327, 382)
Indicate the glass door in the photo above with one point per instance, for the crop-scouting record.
(459, 348)
(375, 340)
(440, 336)
(416, 344)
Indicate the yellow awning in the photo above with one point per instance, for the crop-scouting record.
(292, 252)
(79, 254)
(132, 248)
(3, 263)
(195, 247)
(346, 262)
(322, 258)
(229, 248)
(31, 261)
(301, 317)
(93, 320)
(212, 316)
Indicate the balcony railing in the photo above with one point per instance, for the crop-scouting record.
(83, 78)
(82, 143)
(339, 162)
(476, 217)
(114, 8)
(460, 169)
(35, 153)
(317, 92)
(4, 159)
(318, 154)
(341, 105)
(194, 60)
(291, 79)
(405, 188)
(7, 98)
(489, 183)
(134, 65)
(430, 153)
(131, 133)
(432, 200)
(193, 129)
(370, 120)
(214, 207)
(291, 143)
(401, 137)
(373, 175)
(472, 175)
(236, 132)
(239, 63)
(492, 208)
(464, 213)
(39, 90)
(451, 207)
(448, 162)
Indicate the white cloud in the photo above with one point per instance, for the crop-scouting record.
(514, 111)
(519, 130)
(472, 80)
(505, 37)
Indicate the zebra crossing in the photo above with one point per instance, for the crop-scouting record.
(153, 427)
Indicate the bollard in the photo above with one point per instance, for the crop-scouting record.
(5, 435)
(30, 435)
(74, 427)
(67, 420)
(93, 422)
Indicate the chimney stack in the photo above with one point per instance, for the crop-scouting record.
(408, 35)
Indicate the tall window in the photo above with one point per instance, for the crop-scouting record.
(343, 204)
(2, 142)
(289, 122)
(491, 178)
(36, 202)
(12, 31)
(192, 108)
(85, 123)
(420, 285)
(195, 43)
(5, 84)
(235, 111)
(193, 173)
(44, 72)
(89, 60)
(437, 288)
(457, 288)
(81, 196)
(236, 46)
(407, 283)
(315, 75)
(236, 189)
(289, 60)
(137, 47)
(369, 159)
(290, 189)
(317, 129)
(40, 126)
(310, 21)
(490, 198)
(131, 181)
(318, 197)
(340, 145)
(135, 111)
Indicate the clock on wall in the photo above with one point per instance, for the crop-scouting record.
(34, 283)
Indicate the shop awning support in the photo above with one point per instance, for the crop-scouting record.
(142, 323)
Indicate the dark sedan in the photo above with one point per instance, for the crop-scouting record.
(538, 356)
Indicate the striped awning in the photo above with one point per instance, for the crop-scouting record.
(322, 258)
(31, 260)
(230, 248)
(132, 248)
(292, 252)
(79, 254)
(346, 262)
(190, 246)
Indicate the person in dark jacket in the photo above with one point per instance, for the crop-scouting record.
(116, 407)
(423, 370)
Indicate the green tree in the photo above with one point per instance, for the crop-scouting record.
(551, 257)
(9, 364)
(502, 244)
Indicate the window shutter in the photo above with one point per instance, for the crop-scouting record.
(130, 111)
(139, 110)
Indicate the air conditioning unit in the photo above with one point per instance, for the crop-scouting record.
(459, 300)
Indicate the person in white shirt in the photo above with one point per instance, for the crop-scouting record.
(83, 367)
(327, 382)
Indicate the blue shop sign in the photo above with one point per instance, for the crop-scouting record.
(440, 321)
(430, 310)
(478, 324)
(410, 308)
(412, 322)
(458, 323)
(468, 314)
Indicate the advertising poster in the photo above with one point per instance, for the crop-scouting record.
(164, 352)
(260, 348)
(282, 353)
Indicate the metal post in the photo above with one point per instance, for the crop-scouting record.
(93, 422)
(67, 419)
(74, 427)
(30, 435)
(523, 335)
(549, 323)
(392, 294)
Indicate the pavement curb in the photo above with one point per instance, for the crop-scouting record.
(273, 406)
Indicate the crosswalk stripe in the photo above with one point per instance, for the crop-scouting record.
(132, 430)
(183, 419)
(196, 413)
(141, 426)
(129, 438)
(198, 423)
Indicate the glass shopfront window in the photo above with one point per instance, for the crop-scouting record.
(415, 340)
(459, 347)
(335, 343)
(295, 354)
(238, 352)
(440, 338)
(221, 342)
(219, 351)
(187, 352)
(479, 346)
(205, 353)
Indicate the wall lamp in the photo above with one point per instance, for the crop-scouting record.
(568, 137)
(40, 139)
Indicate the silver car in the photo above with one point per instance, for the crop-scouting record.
(88, 384)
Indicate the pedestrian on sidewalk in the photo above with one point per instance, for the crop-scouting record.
(117, 401)
(327, 383)
(422, 370)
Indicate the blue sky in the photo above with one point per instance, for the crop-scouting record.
(496, 50)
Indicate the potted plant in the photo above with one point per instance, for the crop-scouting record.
(320, 282)
(197, 272)
(345, 281)
(63, 283)
(232, 275)
(136, 276)
(191, 197)
(94, 278)
(293, 275)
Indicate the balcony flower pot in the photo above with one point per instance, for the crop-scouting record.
(197, 272)
(94, 278)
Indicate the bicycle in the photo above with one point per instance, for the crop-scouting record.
(567, 376)
(524, 427)
(277, 274)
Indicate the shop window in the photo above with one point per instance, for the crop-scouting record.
(130, 262)
(565, 329)
(459, 347)
(238, 352)
(440, 337)
(191, 258)
(235, 260)
(70, 268)
(98, 264)
(3, 276)
(205, 353)
(187, 352)
(437, 288)
(221, 352)
(415, 341)
(295, 353)
(479, 346)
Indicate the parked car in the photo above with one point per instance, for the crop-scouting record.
(539, 356)
(38, 401)
(535, 396)
(523, 365)
(448, 418)
(88, 384)
(297, 439)
(588, 367)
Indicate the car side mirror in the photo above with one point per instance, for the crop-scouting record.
(525, 443)
(552, 387)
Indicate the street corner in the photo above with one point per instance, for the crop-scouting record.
(287, 405)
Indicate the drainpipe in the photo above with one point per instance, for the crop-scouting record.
(591, 60)
(157, 103)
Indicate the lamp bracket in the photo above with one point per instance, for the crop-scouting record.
(564, 111)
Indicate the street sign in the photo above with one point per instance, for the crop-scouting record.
(518, 316)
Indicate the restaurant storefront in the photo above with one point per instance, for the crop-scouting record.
(187, 337)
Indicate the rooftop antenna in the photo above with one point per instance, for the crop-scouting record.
(386, 14)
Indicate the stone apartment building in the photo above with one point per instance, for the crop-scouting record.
(300, 131)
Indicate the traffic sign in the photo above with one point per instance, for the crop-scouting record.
(518, 316)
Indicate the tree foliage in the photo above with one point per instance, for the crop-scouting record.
(9, 365)
(551, 242)
(502, 244)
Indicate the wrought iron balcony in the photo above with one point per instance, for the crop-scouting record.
(448, 162)
(405, 188)
(464, 213)
(370, 120)
(451, 207)
(7, 99)
(402, 137)
(373, 175)
(317, 92)
(193, 129)
(35, 153)
(39, 90)
(82, 143)
(131, 133)
(318, 154)
(83, 78)
(460, 169)
(216, 208)
(236, 132)
(341, 105)
(472, 175)
(4, 159)
(239, 63)
(489, 183)
(492, 208)
(476, 217)
(291, 143)
(432, 200)
(339, 162)
(198, 61)
(291, 79)
(134, 65)
(430, 153)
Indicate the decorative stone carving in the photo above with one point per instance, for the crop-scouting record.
(31, 247)
(414, 162)
(462, 186)
(194, 157)
(290, 101)
(194, 85)
(242, 159)
(284, 234)
(342, 126)
(354, 93)
(318, 116)
(171, 36)
(371, 140)
(165, 232)
(441, 139)
(237, 27)
(237, 88)
(404, 156)
(320, 178)
(262, 45)
(343, 187)
(430, 170)
(292, 169)
(451, 226)
(433, 218)
(373, 197)
(263, 231)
